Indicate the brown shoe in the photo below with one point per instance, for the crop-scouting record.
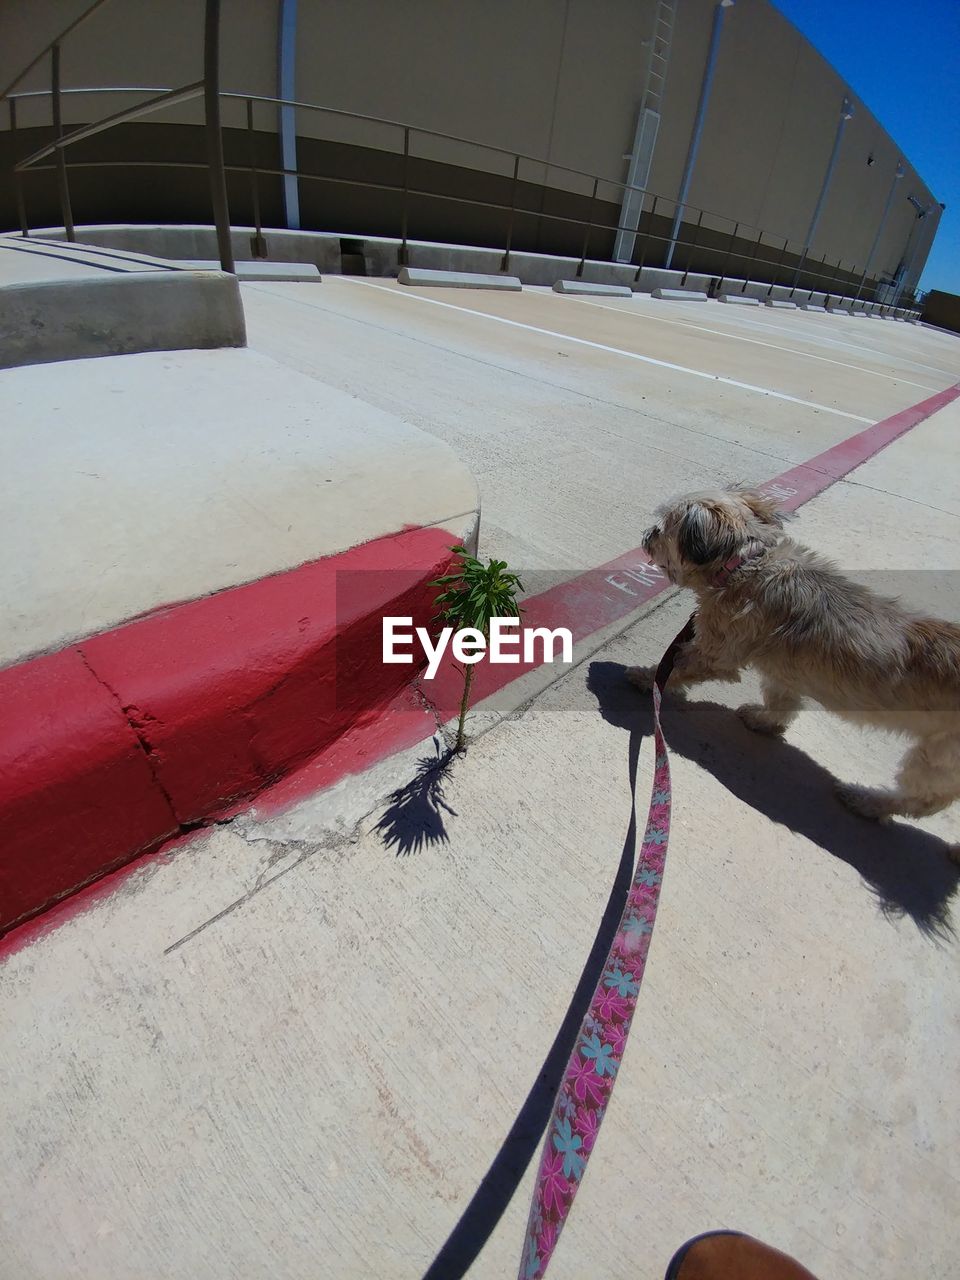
(730, 1255)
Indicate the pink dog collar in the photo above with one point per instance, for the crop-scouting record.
(730, 566)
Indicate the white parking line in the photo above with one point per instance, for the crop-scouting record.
(599, 346)
(824, 339)
(739, 337)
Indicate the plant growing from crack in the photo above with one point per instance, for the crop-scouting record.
(474, 594)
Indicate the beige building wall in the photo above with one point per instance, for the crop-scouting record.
(557, 80)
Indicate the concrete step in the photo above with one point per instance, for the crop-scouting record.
(739, 299)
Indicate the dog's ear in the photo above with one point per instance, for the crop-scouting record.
(704, 535)
(763, 507)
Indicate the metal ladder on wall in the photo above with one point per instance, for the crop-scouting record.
(648, 124)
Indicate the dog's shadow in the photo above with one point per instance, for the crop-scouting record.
(910, 871)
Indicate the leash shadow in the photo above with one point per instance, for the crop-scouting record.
(908, 870)
(478, 1221)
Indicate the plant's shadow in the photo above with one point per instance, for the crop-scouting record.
(909, 871)
(413, 818)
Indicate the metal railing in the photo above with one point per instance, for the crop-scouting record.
(730, 253)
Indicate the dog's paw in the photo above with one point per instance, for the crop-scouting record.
(756, 717)
(864, 801)
(642, 677)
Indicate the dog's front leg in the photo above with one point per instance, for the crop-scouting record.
(692, 666)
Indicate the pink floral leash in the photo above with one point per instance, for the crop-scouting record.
(592, 1070)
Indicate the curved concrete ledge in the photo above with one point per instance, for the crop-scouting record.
(118, 314)
(113, 746)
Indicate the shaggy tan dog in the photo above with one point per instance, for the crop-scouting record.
(768, 603)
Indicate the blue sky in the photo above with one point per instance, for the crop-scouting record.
(900, 58)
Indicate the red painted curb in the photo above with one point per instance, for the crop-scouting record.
(77, 796)
(120, 742)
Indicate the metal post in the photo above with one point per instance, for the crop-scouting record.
(776, 271)
(883, 222)
(910, 255)
(707, 81)
(726, 260)
(505, 260)
(846, 113)
(287, 85)
(587, 229)
(646, 237)
(257, 242)
(402, 255)
(693, 245)
(17, 181)
(211, 102)
(753, 259)
(830, 280)
(62, 183)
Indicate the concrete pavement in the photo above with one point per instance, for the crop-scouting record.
(279, 1047)
(183, 473)
(572, 444)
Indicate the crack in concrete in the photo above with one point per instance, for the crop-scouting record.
(142, 741)
(279, 848)
(431, 708)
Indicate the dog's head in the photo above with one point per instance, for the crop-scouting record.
(695, 534)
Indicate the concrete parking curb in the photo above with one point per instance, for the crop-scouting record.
(119, 742)
(456, 279)
(586, 287)
(679, 295)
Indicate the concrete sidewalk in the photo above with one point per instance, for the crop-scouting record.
(285, 1049)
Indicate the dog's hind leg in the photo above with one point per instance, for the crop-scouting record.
(927, 782)
(778, 708)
